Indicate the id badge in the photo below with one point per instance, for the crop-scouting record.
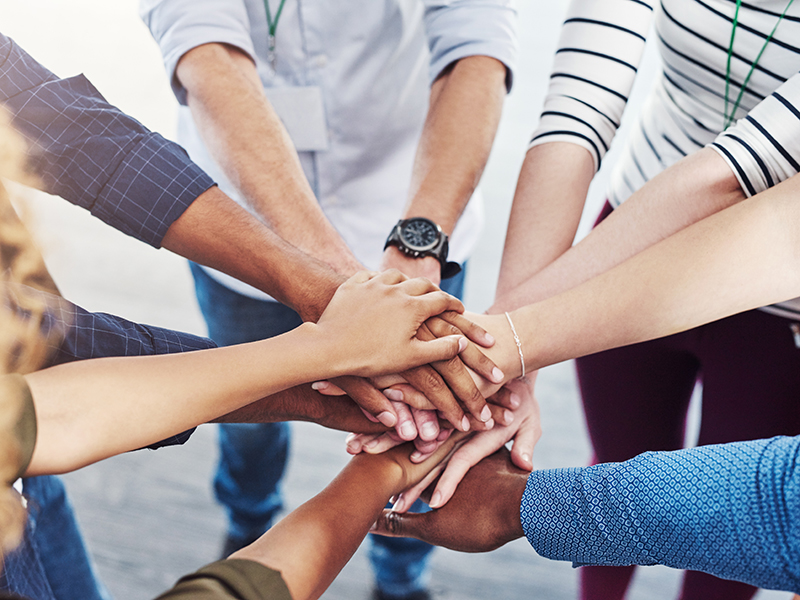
(302, 113)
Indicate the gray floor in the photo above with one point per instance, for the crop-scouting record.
(149, 516)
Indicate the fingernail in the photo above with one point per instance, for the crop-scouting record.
(387, 418)
(498, 375)
(514, 399)
(371, 444)
(395, 395)
(415, 456)
(462, 344)
(486, 414)
(429, 430)
(508, 416)
(435, 499)
(489, 338)
(319, 385)
(465, 424)
(526, 458)
(399, 505)
(407, 430)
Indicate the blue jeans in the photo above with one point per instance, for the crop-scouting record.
(52, 562)
(400, 565)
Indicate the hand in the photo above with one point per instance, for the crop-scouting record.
(426, 442)
(482, 515)
(525, 429)
(427, 387)
(373, 319)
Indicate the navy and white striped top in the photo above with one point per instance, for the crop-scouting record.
(596, 63)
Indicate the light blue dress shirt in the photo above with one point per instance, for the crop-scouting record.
(731, 510)
(373, 61)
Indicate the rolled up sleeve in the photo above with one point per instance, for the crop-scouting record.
(92, 154)
(180, 25)
(457, 29)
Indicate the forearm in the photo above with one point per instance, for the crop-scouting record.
(465, 106)
(548, 203)
(248, 140)
(301, 403)
(216, 232)
(729, 510)
(135, 401)
(692, 189)
(741, 258)
(312, 544)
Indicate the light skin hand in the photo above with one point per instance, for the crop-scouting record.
(493, 489)
(525, 431)
(393, 306)
(399, 388)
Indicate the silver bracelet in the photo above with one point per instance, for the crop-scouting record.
(519, 344)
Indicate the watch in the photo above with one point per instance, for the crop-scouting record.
(419, 237)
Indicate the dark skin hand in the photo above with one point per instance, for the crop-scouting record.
(482, 515)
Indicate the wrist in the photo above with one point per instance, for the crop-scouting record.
(426, 266)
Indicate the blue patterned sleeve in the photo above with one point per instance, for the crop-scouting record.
(94, 155)
(732, 510)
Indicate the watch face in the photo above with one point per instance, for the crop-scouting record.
(420, 234)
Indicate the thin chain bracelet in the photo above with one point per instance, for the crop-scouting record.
(519, 345)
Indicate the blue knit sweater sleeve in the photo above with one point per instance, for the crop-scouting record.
(732, 510)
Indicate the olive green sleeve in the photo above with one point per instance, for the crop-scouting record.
(231, 579)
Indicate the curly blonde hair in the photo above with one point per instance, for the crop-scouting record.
(23, 346)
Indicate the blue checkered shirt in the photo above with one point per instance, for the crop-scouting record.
(732, 510)
(92, 154)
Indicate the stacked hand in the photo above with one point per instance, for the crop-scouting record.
(514, 416)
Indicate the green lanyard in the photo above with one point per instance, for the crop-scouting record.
(729, 118)
(272, 28)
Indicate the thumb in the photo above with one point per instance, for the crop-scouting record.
(394, 524)
(443, 348)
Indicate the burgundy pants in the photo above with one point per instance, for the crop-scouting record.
(635, 399)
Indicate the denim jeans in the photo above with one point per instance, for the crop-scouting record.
(251, 502)
(52, 562)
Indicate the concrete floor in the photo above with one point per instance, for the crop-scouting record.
(149, 516)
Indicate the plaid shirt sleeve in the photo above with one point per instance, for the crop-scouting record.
(94, 155)
(80, 334)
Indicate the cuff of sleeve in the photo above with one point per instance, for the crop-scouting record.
(244, 580)
(453, 35)
(547, 513)
(152, 187)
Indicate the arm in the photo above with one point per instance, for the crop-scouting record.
(247, 139)
(740, 258)
(465, 106)
(312, 544)
(146, 186)
(594, 69)
(217, 232)
(729, 510)
(120, 404)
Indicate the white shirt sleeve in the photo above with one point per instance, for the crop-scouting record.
(460, 28)
(180, 25)
(601, 44)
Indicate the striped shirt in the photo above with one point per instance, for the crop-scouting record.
(596, 63)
